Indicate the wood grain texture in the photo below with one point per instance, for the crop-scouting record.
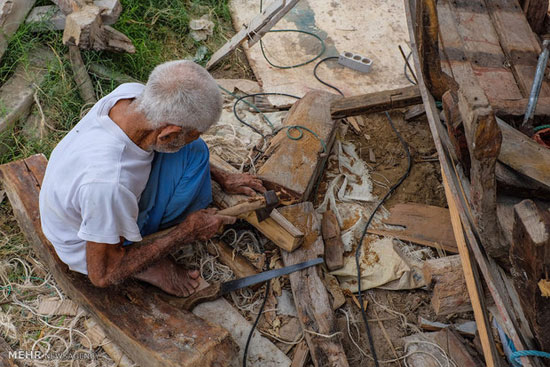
(519, 43)
(5, 361)
(450, 294)
(150, 331)
(524, 155)
(530, 255)
(296, 164)
(310, 295)
(236, 262)
(375, 102)
(422, 224)
(334, 247)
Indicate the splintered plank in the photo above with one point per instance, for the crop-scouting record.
(375, 102)
(12, 14)
(423, 224)
(519, 43)
(310, 295)
(468, 37)
(149, 330)
(296, 164)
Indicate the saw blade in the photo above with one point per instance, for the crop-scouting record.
(233, 285)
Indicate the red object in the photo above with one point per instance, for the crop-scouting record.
(543, 137)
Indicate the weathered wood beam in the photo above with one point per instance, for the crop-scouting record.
(473, 283)
(450, 294)
(511, 182)
(375, 102)
(334, 247)
(535, 12)
(81, 77)
(530, 255)
(297, 164)
(310, 295)
(519, 43)
(517, 107)
(149, 330)
(12, 14)
(524, 155)
(422, 224)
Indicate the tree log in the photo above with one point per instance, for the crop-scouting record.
(310, 295)
(84, 28)
(530, 256)
(450, 294)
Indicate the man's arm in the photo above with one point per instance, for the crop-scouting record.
(237, 183)
(109, 264)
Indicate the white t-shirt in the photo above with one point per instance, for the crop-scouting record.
(93, 182)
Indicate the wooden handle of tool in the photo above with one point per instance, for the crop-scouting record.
(243, 208)
(209, 293)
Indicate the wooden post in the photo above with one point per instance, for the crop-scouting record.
(310, 295)
(530, 255)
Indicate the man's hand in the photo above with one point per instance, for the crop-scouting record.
(205, 224)
(237, 183)
(241, 183)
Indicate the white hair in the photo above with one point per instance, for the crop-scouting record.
(181, 93)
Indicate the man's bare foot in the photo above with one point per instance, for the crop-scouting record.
(171, 278)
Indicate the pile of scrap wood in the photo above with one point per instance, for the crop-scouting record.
(480, 59)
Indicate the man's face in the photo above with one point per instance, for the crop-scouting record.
(174, 141)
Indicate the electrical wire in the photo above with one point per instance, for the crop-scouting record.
(245, 353)
(360, 244)
(322, 81)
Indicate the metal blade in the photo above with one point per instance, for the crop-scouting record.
(233, 285)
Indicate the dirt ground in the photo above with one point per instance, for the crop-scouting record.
(422, 186)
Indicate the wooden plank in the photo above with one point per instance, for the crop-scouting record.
(519, 43)
(286, 240)
(256, 25)
(149, 330)
(296, 164)
(530, 256)
(468, 37)
(511, 182)
(375, 102)
(474, 289)
(524, 155)
(310, 295)
(81, 77)
(423, 224)
(334, 247)
(517, 107)
(300, 355)
(12, 14)
(535, 12)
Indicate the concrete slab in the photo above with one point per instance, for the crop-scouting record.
(12, 14)
(17, 94)
(372, 28)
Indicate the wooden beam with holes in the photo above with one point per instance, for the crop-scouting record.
(149, 330)
(375, 102)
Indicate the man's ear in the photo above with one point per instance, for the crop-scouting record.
(168, 131)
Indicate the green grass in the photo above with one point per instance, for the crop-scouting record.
(159, 30)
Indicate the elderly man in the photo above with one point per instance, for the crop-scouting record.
(134, 165)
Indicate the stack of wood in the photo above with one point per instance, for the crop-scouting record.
(479, 58)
